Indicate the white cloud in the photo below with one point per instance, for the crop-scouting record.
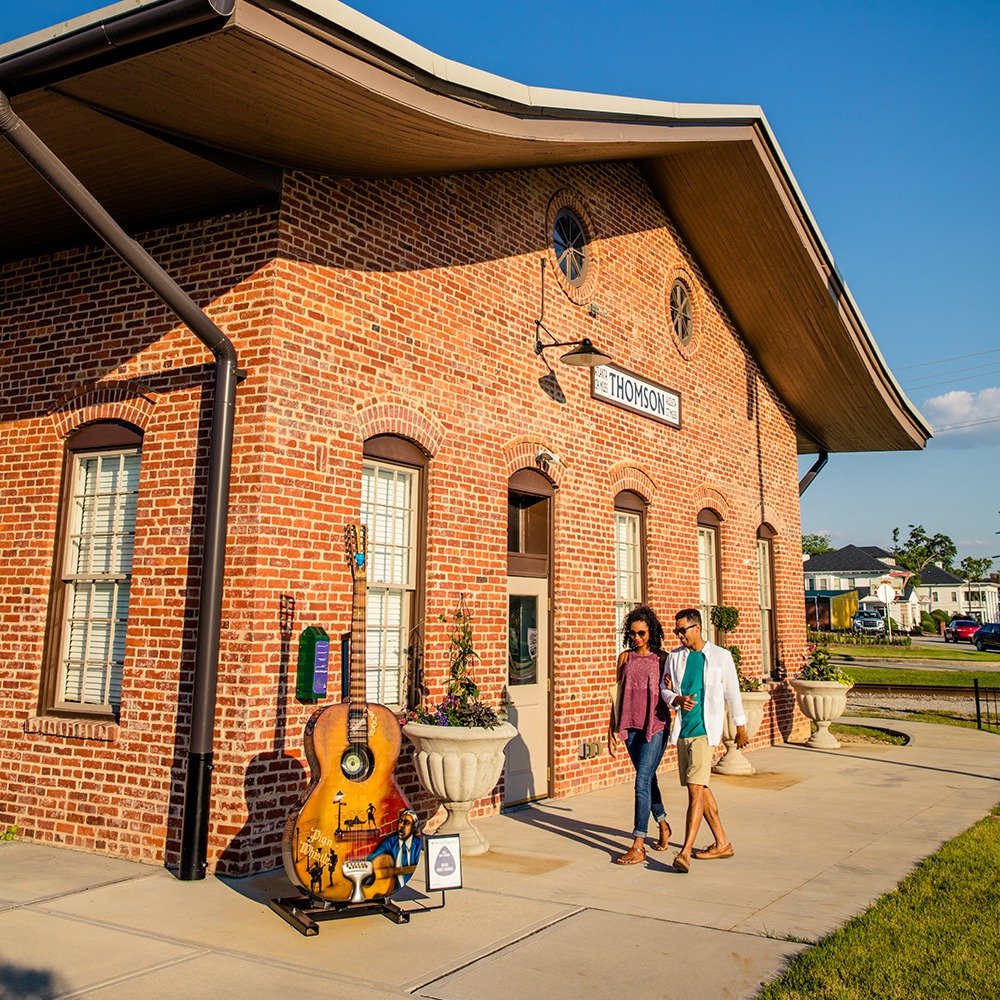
(964, 419)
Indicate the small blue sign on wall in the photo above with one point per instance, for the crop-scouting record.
(313, 667)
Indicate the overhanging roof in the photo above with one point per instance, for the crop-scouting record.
(205, 111)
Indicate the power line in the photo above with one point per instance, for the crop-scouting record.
(945, 381)
(957, 357)
(970, 423)
(983, 370)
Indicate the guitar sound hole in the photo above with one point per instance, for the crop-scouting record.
(356, 763)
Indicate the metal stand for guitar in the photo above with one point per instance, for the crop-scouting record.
(303, 912)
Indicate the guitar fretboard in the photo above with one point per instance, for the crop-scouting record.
(357, 717)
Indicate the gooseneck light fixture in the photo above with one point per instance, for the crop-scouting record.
(584, 353)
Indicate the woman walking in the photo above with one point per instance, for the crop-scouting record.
(639, 719)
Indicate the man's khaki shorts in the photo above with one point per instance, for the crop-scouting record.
(694, 760)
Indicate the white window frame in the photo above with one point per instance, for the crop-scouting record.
(708, 577)
(393, 550)
(765, 601)
(92, 644)
(628, 565)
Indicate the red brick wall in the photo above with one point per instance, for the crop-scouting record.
(367, 307)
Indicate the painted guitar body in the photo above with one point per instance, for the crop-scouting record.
(340, 819)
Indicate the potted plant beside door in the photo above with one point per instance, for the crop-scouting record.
(459, 742)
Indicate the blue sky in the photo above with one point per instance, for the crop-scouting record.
(885, 112)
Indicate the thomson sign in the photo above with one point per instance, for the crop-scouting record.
(650, 399)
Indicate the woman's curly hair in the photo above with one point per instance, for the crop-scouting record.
(648, 617)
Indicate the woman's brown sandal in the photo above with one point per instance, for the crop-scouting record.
(664, 842)
(635, 855)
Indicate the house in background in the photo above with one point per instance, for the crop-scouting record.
(862, 569)
(942, 589)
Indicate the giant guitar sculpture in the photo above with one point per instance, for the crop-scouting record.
(336, 840)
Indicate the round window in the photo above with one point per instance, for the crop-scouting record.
(680, 312)
(569, 240)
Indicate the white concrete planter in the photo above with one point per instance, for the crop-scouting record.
(458, 765)
(823, 702)
(733, 761)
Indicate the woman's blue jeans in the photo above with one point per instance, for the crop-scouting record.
(646, 756)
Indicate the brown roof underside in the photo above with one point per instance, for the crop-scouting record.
(209, 124)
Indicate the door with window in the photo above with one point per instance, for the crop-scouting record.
(527, 689)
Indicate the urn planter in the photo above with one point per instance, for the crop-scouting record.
(822, 702)
(458, 765)
(733, 761)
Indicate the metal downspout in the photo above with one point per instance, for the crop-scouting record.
(806, 481)
(197, 793)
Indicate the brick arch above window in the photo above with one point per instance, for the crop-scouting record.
(400, 419)
(773, 520)
(626, 476)
(712, 498)
(128, 401)
(522, 453)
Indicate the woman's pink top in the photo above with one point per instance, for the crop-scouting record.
(642, 707)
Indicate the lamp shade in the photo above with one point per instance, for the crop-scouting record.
(585, 355)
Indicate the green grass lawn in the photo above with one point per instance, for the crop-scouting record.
(867, 733)
(947, 652)
(912, 715)
(937, 936)
(912, 675)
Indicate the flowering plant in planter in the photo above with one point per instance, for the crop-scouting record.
(820, 667)
(461, 706)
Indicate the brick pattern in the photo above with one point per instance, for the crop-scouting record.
(364, 307)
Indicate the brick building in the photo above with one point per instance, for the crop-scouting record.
(368, 224)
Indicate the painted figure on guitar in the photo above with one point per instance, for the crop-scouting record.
(342, 843)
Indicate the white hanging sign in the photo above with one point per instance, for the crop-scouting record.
(640, 395)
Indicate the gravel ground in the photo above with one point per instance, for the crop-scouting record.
(861, 703)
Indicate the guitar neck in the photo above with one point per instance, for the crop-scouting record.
(357, 694)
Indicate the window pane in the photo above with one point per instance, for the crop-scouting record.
(708, 583)
(389, 509)
(100, 546)
(628, 565)
(522, 640)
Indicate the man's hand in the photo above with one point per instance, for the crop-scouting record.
(613, 742)
(685, 702)
(741, 737)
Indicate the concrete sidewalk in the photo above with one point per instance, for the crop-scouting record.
(818, 835)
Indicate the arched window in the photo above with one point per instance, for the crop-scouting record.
(393, 505)
(765, 597)
(709, 574)
(630, 555)
(85, 644)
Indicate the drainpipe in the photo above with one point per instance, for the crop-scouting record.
(197, 793)
(806, 481)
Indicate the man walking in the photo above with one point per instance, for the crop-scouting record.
(700, 681)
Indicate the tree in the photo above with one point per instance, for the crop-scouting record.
(816, 545)
(974, 569)
(921, 550)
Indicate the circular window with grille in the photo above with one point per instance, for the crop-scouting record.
(681, 318)
(683, 306)
(572, 246)
(569, 242)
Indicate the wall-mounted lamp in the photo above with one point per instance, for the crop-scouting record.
(584, 353)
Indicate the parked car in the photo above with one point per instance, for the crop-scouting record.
(987, 637)
(868, 622)
(960, 630)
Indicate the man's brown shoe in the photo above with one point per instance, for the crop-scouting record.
(714, 852)
(681, 863)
